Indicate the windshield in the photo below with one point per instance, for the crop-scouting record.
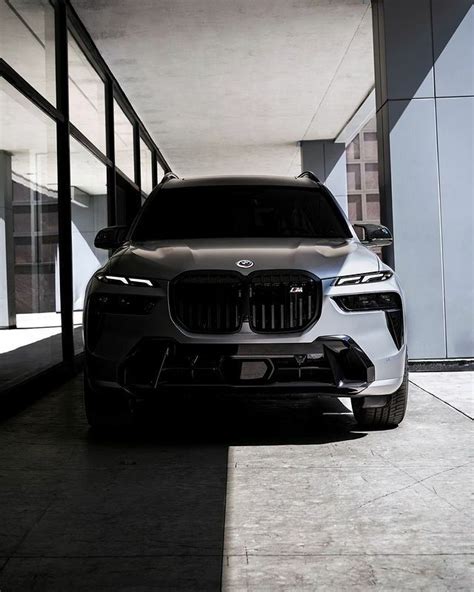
(239, 212)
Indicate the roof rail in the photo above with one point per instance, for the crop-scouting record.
(168, 176)
(310, 175)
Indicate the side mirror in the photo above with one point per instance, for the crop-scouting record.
(374, 235)
(111, 238)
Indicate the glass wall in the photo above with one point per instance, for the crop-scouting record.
(27, 42)
(86, 96)
(160, 172)
(124, 153)
(29, 256)
(52, 205)
(88, 216)
(146, 174)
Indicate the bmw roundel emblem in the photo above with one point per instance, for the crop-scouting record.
(245, 263)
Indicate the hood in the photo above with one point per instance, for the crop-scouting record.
(165, 260)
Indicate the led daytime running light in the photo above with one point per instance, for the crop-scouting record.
(118, 279)
(363, 278)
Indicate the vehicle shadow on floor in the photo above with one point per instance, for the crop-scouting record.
(141, 509)
(178, 454)
(240, 421)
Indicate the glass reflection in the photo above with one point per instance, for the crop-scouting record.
(159, 171)
(145, 168)
(88, 216)
(29, 258)
(86, 96)
(27, 42)
(123, 142)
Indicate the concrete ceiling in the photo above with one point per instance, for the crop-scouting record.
(231, 86)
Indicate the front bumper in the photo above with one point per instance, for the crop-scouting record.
(331, 365)
(148, 353)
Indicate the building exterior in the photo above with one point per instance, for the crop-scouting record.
(363, 197)
(75, 156)
(424, 78)
(424, 82)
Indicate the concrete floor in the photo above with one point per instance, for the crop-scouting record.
(40, 353)
(284, 496)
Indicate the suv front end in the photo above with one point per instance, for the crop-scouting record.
(260, 314)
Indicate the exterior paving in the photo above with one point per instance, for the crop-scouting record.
(454, 388)
(387, 510)
(247, 495)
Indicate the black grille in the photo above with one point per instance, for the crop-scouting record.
(281, 302)
(271, 301)
(208, 302)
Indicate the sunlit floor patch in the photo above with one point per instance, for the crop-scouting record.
(33, 327)
(345, 509)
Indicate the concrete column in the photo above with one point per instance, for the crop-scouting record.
(7, 254)
(327, 160)
(424, 70)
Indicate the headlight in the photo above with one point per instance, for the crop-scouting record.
(369, 301)
(363, 278)
(121, 280)
(136, 304)
(388, 302)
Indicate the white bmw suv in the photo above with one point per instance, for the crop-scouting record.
(244, 283)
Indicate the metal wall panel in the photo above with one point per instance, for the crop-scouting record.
(327, 160)
(336, 173)
(312, 157)
(416, 220)
(453, 43)
(456, 163)
(407, 45)
(424, 51)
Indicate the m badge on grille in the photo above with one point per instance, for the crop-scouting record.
(296, 290)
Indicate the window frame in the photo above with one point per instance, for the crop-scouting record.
(66, 21)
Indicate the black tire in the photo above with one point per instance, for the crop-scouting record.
(388, 416)
(105, 410)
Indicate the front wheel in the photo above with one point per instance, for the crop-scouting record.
(106, 410)
(390, 415)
